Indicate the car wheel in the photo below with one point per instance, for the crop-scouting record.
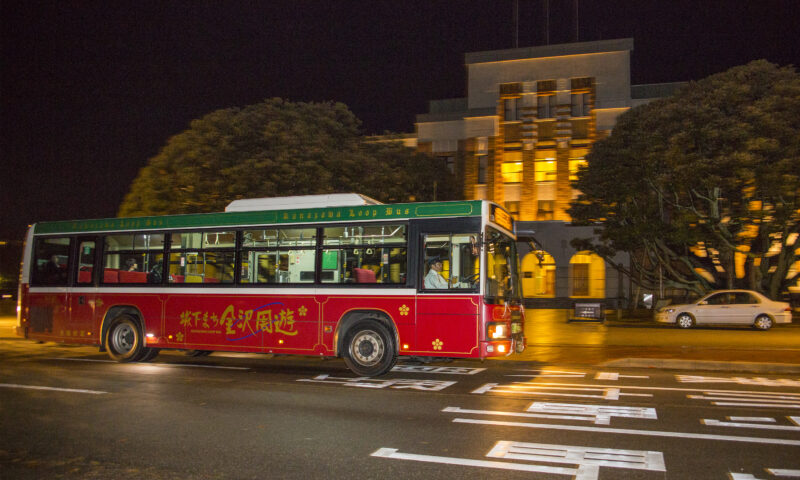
(369, 349)
(124, 340)
(685, 320)
(763, 322)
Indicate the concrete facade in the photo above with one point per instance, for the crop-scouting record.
(529, 119)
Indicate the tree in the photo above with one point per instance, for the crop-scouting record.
(703, 188)
(278, 148)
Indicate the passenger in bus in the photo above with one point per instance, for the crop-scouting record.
(131, 265)
(54, 272)
(434, 278)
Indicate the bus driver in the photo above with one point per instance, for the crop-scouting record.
(434, 278)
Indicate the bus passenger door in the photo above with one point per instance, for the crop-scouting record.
(83, 293)
(448, 304)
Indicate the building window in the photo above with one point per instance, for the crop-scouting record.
(580, 279)
(511, 109)
(545, 209)
(512, 207)
(483, 167)
(546, 106)
(545, 169)
(580, 105)
(512, 172)
(576, 161)
(450, 163)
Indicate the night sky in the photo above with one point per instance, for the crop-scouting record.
(91, 90)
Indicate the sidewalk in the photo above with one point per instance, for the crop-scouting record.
(640, 344)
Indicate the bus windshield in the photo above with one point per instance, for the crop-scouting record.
(502, 270)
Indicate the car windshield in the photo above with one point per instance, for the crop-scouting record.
(502, 269)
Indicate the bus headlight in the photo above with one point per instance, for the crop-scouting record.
(497, 330)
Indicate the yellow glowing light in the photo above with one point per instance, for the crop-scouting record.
(501, 348)
(280, 341)
(405, 346)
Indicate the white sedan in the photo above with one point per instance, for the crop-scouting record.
(728, 307)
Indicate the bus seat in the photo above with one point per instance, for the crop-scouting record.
(85, 276)
(211, 280)
(110, 275)
(176, 278)
(132, 277)
(364, 276)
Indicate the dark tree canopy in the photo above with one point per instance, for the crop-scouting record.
(279, 148)
(703, 188)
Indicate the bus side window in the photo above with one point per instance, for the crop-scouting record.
(85, 262)
(51, 261)
(451, 261)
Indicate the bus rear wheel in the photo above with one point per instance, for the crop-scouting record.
(369, 349)
(124, 339)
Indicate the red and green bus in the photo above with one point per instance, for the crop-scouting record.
(333, 275)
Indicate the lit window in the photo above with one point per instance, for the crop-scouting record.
(545, 209)
(576, 161)
(545, 170)
(512, 207)
(512, 172)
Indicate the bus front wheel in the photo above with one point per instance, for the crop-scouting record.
(369, 349)
(124, 339)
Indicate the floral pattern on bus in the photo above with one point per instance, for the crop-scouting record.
(240, 324)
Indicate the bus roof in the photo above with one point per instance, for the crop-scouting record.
(398, 211)
(301, 201)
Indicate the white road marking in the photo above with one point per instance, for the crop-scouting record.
(752, 419)
(778, 472)
(151, 364)
(782, 472)
(626, 431)
(550, 374)
(369, 382)
(54, 389)
(717, 423)
(601, 457)
(758, 381)
(749, 399)
(601, 417)
(601, 413)
(615, 376)
(588, 459)
(468, 462)
(442, 370)
(521, 388)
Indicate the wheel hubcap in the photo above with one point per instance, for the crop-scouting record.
(124, 338)
(367, 348)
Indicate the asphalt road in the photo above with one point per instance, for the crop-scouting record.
(67, 412)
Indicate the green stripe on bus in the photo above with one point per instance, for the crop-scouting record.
(309, 215)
